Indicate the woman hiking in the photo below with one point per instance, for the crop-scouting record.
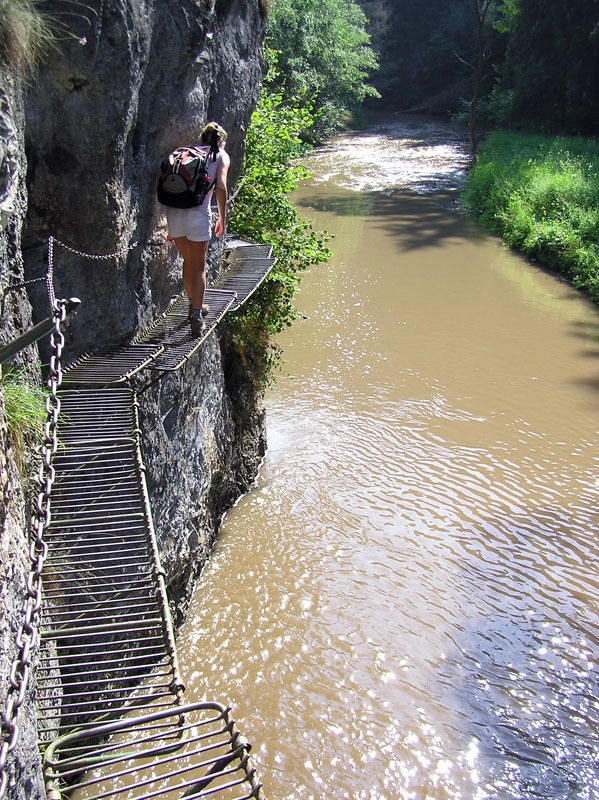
(190, 228)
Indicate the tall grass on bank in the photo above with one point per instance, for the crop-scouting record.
(541, 195)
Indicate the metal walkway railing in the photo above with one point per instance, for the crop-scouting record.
(109, 687)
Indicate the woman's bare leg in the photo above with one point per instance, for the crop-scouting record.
(194, 269)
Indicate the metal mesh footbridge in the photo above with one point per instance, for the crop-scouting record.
(114, 719)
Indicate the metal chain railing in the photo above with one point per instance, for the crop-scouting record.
(28, 635)
(49, 276)
(94, 256)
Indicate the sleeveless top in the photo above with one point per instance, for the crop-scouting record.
(212, 167)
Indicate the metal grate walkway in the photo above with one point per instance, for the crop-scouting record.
(245, 269)
(171, 329)
(168, 344)
(111, 366)
(240, 247)
(193, 751)
(108, 684)
(106, 621)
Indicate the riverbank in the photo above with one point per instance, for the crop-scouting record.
(541, 195)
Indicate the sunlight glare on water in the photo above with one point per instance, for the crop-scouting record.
(405, 607)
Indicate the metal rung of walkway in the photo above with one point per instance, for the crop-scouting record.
(244, 276)
(108, 684)
(102, 561)
(85, 415)
(240, 248)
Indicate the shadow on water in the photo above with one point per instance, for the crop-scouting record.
(417, 221)
(346, 205)
(588, 333)
(535, 731)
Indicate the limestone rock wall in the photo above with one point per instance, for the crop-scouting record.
(125, 82)
(24, 764)
(133, 79)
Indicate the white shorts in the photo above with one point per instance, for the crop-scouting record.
(194, 223)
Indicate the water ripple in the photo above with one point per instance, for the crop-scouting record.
(422, 155)
(382, 503)
(405, 607)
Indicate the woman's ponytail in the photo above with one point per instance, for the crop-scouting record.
(214, 143)
(215, 136)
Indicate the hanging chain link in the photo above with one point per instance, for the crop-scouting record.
(94, 256)
(50, 275)
(28, 635)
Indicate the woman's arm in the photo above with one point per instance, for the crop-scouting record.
(221, 193)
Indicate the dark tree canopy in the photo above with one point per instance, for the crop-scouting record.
(533, 65)
(551, 68)
(541, 59)
(426, 51)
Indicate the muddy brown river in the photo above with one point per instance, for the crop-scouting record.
(405, 606)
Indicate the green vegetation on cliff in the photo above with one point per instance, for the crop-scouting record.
(541, 194)
(25, 408)
(264, 212)
(25, 34)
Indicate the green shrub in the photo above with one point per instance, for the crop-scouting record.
(541, 194)
(263, 212)
(325, 59)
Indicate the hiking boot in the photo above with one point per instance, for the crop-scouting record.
(198, 326)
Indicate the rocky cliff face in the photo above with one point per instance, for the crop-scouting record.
(125, 82)
(14, 545)
(129, 80)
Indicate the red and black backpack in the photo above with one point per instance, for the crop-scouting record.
(184, 181)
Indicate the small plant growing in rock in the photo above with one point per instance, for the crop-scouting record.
(25, 408)
(25, 34)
